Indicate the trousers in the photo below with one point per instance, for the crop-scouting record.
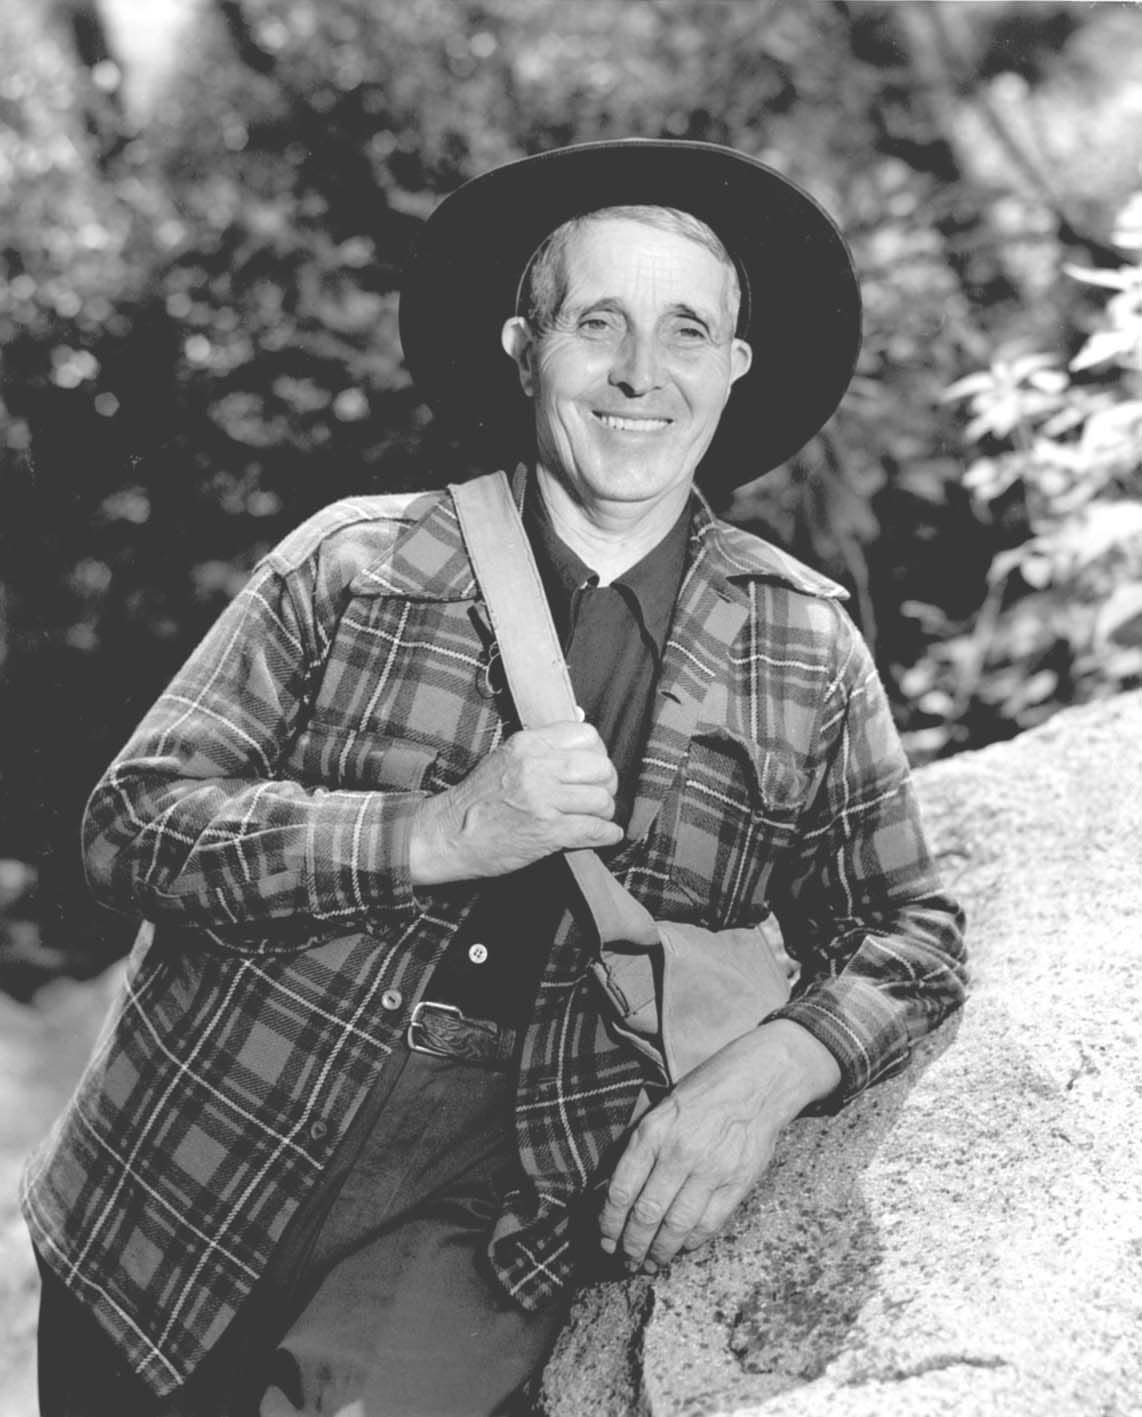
(380, 1303)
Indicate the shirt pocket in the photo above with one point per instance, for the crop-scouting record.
(397, 708)
(734, 811)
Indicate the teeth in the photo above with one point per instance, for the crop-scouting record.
(633, 425)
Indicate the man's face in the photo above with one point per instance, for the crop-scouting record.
(631, 380)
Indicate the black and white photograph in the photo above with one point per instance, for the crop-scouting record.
(571, 671)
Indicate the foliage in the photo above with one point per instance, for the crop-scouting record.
(1062, 443)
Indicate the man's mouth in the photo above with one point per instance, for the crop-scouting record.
(641, 424)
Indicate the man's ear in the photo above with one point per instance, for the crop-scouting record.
(741, 357)
(519, 344)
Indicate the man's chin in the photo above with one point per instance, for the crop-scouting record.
(638, 479)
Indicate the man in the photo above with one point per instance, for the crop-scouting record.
(363, 1114)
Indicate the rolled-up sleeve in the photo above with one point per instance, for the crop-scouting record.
(879, 941)
(194, 821)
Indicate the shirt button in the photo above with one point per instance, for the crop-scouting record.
(477, 953)
(391, 1000)
(319, 1130)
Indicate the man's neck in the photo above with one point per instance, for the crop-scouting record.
(609, 537)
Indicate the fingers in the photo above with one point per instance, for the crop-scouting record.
(575, 749)
(564, 756)
(588, 768)
(670, 1210)
(540, 792)
(574, 800)
(719, 1208)
(679, 1226)
(593, 832)
(630, 1175)
(567, 737)
(687, 1165)
(659, 1192)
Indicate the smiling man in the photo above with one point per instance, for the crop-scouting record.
(364, 1115)
(630, 368)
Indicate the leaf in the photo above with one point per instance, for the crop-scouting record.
(1124, 278)
(1119, 622)
(966, 387)
(1031, 691)
(1102, 526)
(1128, 228)
(1104, 345)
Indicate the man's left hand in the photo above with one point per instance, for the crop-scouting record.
(694, 1156)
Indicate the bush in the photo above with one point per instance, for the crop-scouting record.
(1060, 457)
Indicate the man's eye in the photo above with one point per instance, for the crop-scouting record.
(595, 324)
(690, 334)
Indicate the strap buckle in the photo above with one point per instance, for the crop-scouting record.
(415, 1021)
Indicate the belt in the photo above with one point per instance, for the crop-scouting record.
(443, 1031)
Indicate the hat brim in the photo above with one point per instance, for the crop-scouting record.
(805, 324)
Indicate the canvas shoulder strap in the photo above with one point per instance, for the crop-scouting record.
(536, 671)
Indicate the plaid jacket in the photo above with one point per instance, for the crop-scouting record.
(259, 820)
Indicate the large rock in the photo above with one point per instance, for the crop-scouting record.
(967, 1238)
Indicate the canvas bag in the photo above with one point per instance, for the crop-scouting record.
(677, 992)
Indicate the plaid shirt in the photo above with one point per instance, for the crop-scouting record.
(259, 820)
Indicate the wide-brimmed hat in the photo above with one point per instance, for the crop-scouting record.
(797, 275)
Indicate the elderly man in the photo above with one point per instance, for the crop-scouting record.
(364, 1113)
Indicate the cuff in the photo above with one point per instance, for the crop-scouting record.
(860, 1025)
(358, 854)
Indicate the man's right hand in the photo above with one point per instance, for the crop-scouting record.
(543, 790)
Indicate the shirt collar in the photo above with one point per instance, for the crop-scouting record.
(730, 555)
(427, 559)
(650, 586)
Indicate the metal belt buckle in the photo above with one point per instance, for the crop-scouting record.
(415, 1020)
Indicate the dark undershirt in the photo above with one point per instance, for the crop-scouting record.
(613, 638)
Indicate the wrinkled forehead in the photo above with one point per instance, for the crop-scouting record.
(642, 232)
(613, 257)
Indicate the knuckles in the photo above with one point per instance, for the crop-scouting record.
(647, 1212)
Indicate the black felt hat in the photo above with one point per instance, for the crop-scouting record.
(799, 286)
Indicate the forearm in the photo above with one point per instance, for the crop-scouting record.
(807, 1072)
(436, 853)
(880, 986)
(200, 818)
(242, 856)
(861, 903)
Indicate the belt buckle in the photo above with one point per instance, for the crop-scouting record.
(416, 1047)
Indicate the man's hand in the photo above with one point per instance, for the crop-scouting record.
(543, 790)
(692, 1158)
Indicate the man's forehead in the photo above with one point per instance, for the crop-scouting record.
(610, 254)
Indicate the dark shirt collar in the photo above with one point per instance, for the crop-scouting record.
(650, 587)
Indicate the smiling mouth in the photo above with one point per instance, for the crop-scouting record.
(632, 425)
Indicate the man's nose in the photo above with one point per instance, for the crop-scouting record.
(637, 368)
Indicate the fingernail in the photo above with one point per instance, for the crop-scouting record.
(649, 1267)
(608, 1245)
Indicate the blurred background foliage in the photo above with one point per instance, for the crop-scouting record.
(204, 210)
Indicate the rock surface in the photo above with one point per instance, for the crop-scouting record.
(965, 1239)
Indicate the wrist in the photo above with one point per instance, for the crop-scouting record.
(434, 850)
(804, 1070)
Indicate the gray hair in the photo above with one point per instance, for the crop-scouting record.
(543, 286)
